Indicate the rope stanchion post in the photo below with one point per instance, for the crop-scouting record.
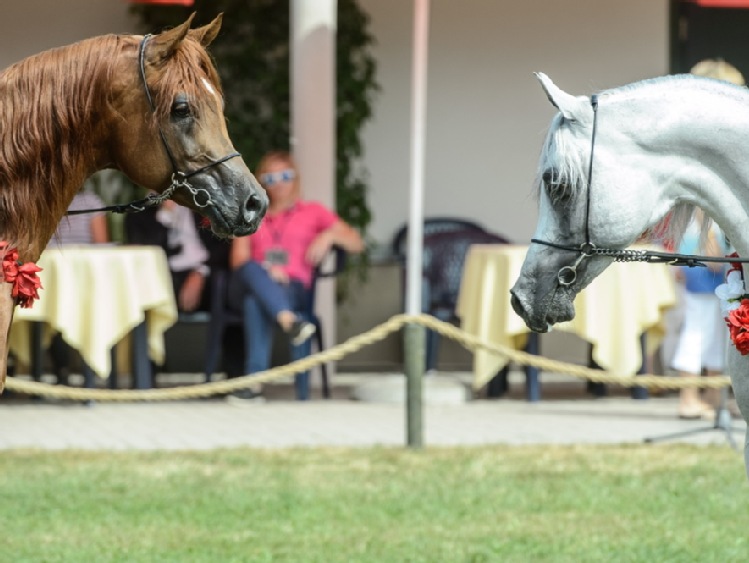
(414, 363)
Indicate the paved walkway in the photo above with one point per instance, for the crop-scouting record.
(566, 416)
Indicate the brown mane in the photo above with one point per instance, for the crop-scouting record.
(47, 114)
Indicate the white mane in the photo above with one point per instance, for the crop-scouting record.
(561, 156)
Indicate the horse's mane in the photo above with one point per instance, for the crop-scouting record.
(664, 86)
(47, 111)
(562, 158)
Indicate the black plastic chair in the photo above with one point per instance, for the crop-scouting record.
(432, 225)
(445, 245)
(444, 258)
(226, 312)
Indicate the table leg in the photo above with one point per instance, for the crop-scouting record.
(113, 369)
(37, 353)
(641, 392)
(88, 375)
(532, 386)
(595, 388)
(498, 384)
(141, 363)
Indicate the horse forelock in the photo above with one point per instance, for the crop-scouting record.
(49, 110)
(561, 156)
(184, 73)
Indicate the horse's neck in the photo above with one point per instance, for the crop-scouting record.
(700, 142)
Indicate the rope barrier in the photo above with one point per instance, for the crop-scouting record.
(351, 345)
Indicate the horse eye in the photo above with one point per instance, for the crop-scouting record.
(181, 109)
(559, 192)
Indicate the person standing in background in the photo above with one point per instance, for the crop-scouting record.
(703, 336)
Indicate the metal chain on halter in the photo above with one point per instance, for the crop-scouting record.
(200, 196)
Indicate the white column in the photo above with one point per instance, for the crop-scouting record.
(313, 95)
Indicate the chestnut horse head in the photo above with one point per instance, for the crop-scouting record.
(184, 143)
(149, 106)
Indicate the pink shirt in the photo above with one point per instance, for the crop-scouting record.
(293, 230)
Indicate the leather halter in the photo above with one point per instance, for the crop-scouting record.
(201, 197)
(568, 274)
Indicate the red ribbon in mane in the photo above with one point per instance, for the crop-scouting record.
(26, 282)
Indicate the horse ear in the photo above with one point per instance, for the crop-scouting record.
(206, 34)
(165, 44)
(572, 107)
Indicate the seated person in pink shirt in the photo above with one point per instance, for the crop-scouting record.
(273, 268)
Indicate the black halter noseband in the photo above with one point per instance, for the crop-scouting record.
(201, 197)
(568, 274)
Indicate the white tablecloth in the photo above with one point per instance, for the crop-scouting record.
(94, 295)
(625, 301)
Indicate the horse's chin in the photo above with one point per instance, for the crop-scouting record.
(224, 228)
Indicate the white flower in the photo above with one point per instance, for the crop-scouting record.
(731, 292)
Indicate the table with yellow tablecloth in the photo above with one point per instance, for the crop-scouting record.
(94, 296)
(626, 301)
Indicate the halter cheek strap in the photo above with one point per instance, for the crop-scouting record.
(179, 179)
(568, 274)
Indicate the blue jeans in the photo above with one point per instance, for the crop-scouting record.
(263, 298)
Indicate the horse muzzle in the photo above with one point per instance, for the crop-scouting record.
(235, 206)
(540, 314)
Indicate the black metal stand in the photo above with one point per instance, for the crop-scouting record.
(722, 423)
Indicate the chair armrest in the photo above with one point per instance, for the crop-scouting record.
(339, 265)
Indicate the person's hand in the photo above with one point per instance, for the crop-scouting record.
(191, 291)
(278, 274)
(319, 248)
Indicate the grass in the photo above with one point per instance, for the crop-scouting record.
(665, 503)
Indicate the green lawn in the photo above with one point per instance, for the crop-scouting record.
(663, 503)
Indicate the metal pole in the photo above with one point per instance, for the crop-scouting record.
(414, 335)
(313, 112)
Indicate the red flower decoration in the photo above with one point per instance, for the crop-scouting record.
(738, 326)
(734, 265)
(26, 282)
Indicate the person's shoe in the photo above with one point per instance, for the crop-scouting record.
(244, 396)
(697, 411)
(300, 332)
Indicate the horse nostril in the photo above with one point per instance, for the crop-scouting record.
(255, 203)
(516, 305)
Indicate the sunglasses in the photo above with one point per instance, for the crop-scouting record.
(270, 178)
